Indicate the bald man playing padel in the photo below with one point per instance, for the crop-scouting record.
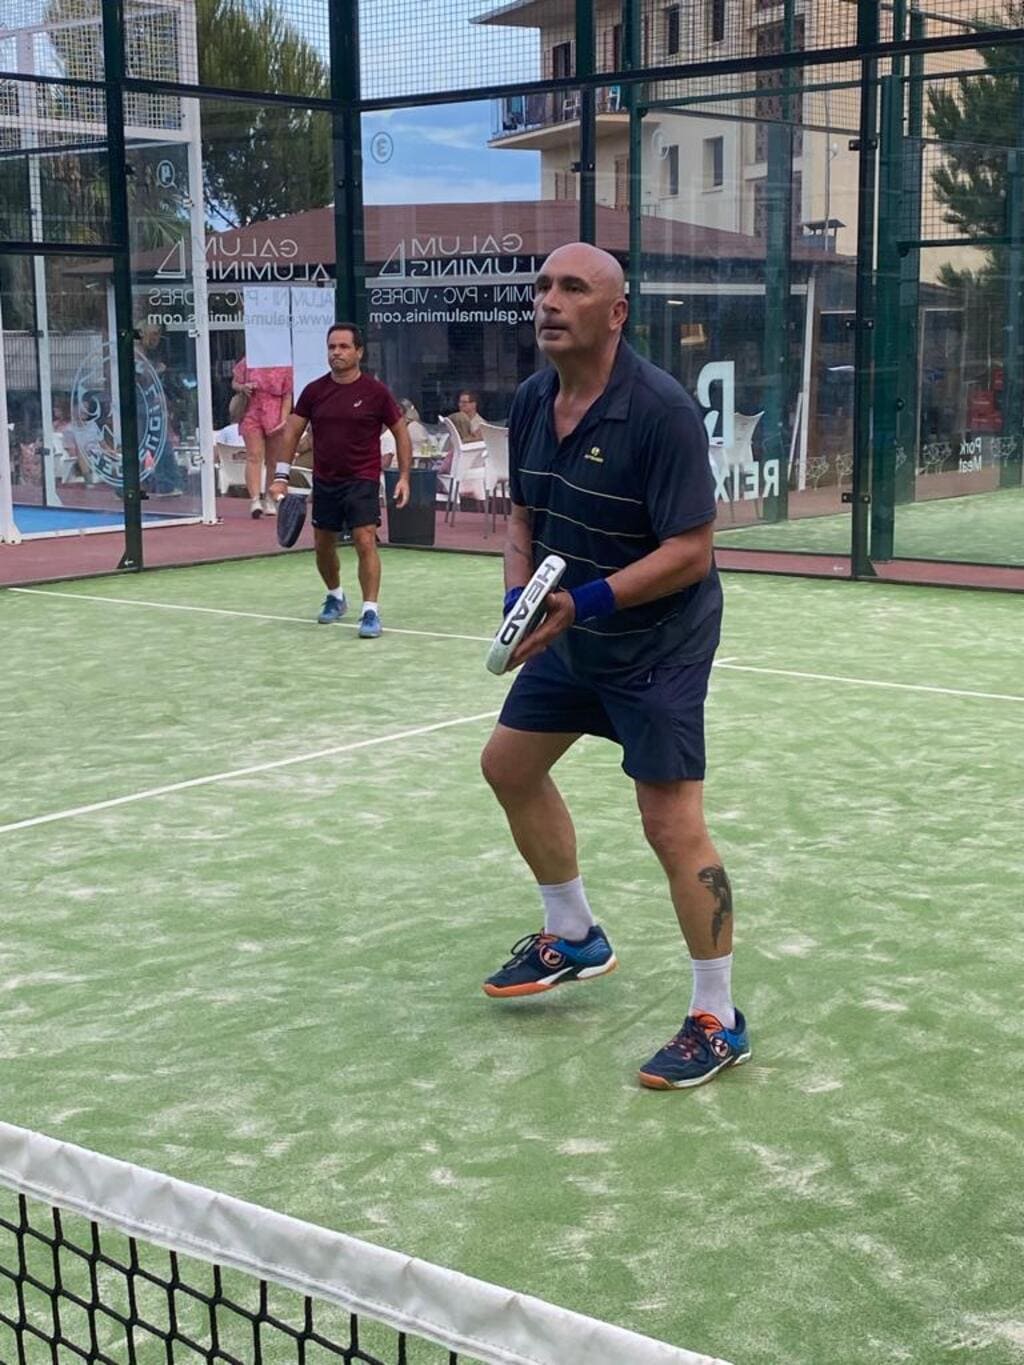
(609, 470)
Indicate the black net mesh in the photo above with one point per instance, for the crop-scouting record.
(973, 146)
(70, 1291)
(409, 47)
(53, 164)
(272, 46)
(52, 38)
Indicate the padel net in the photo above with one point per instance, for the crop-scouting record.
(104, 1261)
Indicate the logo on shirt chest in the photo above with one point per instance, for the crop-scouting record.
(594, 454)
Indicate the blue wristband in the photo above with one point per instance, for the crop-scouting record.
(593, 599)
(511, 598)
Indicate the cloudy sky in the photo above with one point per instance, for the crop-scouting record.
(439, 154)
(432, 154)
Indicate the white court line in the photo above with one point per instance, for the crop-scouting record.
(486, 639)
(872, 682)
(243, 772)
(250, 615)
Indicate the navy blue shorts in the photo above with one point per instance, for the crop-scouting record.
(657, 716)
(343, 506)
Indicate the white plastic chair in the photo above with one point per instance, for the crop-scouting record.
(496, 470)
(388, 447)
(65, 465)
(230, 467)
(738, 455)
(469, 459)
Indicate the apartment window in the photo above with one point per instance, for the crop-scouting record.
(672, 31)
(622, 182)
(565, 185)
(714, 163)
(716, 20)
(561, 61)
(616, 48)
(670, 173)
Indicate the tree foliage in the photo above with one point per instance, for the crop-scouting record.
(977, 119)
(261, 159)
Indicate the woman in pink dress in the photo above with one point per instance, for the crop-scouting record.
(269, 391)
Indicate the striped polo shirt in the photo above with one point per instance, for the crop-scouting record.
(634, 472)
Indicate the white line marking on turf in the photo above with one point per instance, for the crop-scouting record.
(251, 615)
(243, 772)
(873, 682)
(486, 639)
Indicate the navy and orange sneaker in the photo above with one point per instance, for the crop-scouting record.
(541, 961)
(700, 1050)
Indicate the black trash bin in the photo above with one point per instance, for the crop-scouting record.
(412, 524)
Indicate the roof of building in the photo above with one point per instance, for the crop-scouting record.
(520, 228)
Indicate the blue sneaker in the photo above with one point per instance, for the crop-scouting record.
(700, 1050)
(369, 625)
(541, 961)
(333, 609)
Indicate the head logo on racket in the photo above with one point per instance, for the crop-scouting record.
(526, 614)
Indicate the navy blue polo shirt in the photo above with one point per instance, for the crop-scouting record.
(634, 472)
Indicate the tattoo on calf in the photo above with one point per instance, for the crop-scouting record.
(717, 882)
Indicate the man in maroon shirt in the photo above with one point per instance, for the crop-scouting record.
(347, 410)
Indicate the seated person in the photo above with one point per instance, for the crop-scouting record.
(87, 445)
(467, 421)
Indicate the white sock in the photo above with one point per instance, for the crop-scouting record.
(712, 988)
(370, 606)
(566, 910)
(338, 592)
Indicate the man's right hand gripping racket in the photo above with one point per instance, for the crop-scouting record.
(527, 613)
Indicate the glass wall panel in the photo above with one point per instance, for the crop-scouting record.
(233, 266)
(64, 422)
(743, 284)
(462, 204)
(949, 393)
(53, 163)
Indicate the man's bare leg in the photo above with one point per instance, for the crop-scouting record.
(517, 764)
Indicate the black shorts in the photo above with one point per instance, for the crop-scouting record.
(344, 506)
(657, 716)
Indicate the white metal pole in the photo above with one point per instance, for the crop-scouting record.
(805, 390)
(8, 531)
(200, 329)
(44, 374)
(115, 406)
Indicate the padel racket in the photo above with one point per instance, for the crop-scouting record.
(291, 517)
(526, 614)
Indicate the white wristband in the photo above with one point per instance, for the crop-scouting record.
(282, 470)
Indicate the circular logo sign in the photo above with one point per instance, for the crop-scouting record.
(382, 147)
(92, 415)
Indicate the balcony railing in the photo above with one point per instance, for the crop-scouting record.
(525, 113)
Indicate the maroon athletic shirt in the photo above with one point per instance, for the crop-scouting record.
(347, 421)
